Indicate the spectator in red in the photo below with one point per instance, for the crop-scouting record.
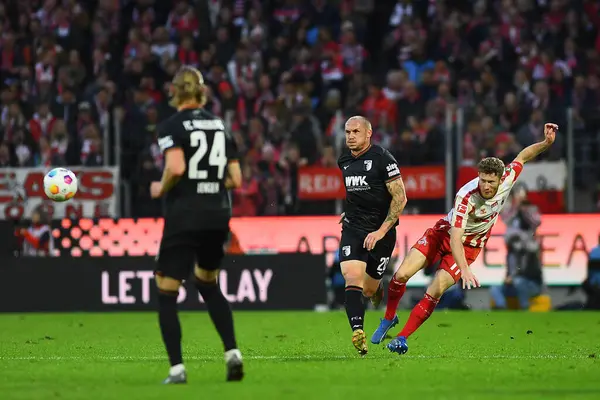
(42, 122)
(246, 199)
(378, 108)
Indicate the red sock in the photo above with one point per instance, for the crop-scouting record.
(419, 314)
(395, 292)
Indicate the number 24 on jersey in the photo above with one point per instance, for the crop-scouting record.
(217, 156)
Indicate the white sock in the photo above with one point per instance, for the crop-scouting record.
(233, 353)
(176, 369)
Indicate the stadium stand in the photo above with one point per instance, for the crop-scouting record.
(85, 82)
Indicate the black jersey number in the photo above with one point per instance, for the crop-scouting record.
(216, 154)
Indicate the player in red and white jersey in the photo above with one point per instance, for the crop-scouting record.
(456, 240)
(473, 211)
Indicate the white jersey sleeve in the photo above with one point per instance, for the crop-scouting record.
(511, 173)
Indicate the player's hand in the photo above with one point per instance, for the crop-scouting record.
(469, 279)
(508, 280)
(372, 239)
(550, 132)
(155, 190)
(342, 218)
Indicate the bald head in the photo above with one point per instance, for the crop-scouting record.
(361, 120)
(358, 133)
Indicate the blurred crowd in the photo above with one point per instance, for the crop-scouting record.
(85, 82)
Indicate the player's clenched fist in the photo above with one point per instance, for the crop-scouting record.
(550, 132)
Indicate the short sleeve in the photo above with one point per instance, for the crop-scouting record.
(462, 208)
(168, 139)
(512, 171)
(389, 167)
(232, 149)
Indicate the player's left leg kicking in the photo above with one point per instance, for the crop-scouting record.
(446, 276)
(422, 311)
(423, 253)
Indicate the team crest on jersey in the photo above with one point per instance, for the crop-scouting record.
(423, 241)
(346, 250)
(368, 165)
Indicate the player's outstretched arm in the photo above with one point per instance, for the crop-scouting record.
(531, 152)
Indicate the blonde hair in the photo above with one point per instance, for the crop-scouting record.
(188, 87)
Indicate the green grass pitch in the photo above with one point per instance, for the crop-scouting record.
(302, 355)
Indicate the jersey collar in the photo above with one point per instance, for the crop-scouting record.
(189, 107)
(361, 153)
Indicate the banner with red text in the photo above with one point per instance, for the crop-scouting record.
(22, 190)
(566, 241)
(545, 182)
(326, 183)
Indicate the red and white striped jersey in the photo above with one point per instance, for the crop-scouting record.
(475, 214)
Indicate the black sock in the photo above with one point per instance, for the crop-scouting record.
(219, 311)
(169, 325)
(355, 308)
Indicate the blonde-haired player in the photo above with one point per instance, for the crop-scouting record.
(200, 167)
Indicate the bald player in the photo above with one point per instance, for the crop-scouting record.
(375, 198)
(201, 166)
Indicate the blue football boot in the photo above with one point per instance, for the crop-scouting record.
(384, 327)
(398, 345)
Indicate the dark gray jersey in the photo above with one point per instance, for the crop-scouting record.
(200, 196)
(367, 197)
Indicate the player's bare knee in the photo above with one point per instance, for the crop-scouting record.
(412, 263)
(370, 286)
(441, 282)
(403, 274)
(401, 277)
(205, 276)
(353, 273)
(369, 292)
(352, 280)
(167, 285)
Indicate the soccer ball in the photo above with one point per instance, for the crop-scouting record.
(60, 184)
